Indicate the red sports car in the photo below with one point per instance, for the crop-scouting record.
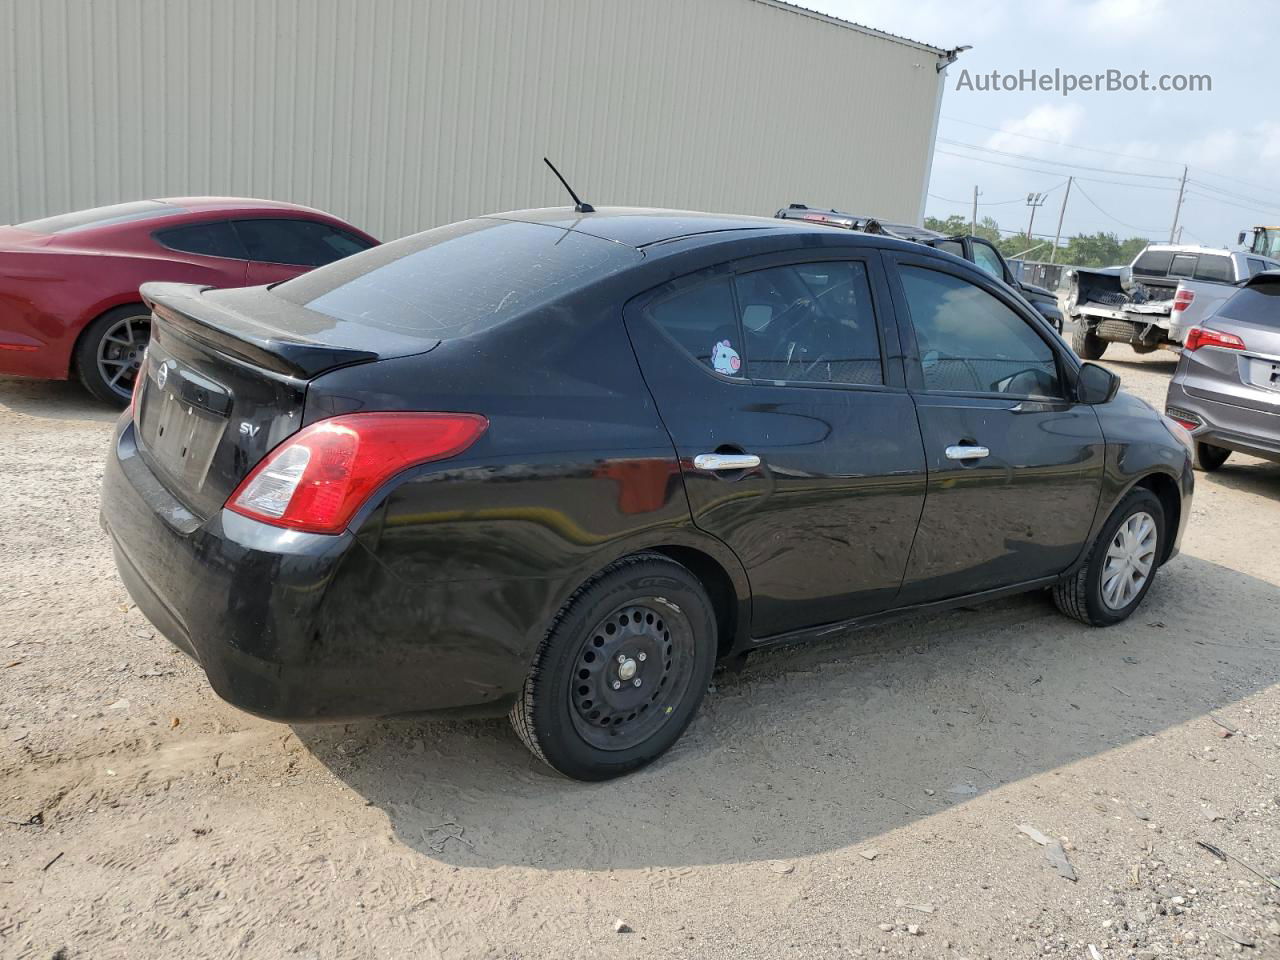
(69, 284)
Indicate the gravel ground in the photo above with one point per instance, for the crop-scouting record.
(858, 797)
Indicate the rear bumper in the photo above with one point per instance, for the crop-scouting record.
(295, 626)
(1243, 429)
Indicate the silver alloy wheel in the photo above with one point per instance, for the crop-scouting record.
(120, 352)
(1129, 561)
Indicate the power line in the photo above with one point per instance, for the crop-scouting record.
(1232, 194)
(1110, 153)
(1060, 163)
(1058, 143)
(1022, 233)
(1253, 208)
(981, 203)
(1054, 173)
(1110, 217)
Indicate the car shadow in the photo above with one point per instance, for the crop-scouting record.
(1248, 475)
(1161, 362)
(831, 744)
(53, 400)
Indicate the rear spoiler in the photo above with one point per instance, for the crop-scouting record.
(251, 340)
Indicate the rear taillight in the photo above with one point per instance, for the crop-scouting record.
(318, 478)
(1182, 299)
(1198, 337)
(1183, 418)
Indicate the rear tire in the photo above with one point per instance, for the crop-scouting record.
(1209, 458)
(1087, 344)
(109, 353)
(621, 671)
(1105, 591)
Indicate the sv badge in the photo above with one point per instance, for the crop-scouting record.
(248, 429)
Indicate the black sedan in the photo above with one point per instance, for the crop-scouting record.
(558, 464)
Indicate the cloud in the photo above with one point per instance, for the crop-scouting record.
(1125, 15)
(1048, 121)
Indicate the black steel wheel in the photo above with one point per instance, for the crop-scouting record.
(621, 671)
(109, 353)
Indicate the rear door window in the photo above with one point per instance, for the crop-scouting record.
(217, 239)
(810, 323)
(306, 243)
(1256, 266)
(971, 342)
(702, 322)
(1214, 268)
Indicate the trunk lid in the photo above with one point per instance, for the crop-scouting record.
(226, 378)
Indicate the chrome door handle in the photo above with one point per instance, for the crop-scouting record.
(963, 452)
(726, 461)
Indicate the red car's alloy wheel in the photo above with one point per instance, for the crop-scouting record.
(120, 352)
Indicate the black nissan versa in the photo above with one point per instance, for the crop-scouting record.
(558, 463)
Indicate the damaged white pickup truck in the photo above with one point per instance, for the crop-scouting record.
(1139, 304)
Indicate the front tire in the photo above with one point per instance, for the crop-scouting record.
(1209, 458)
(621, 671)
(1087, 344)
(109, 353)
(1121, 565)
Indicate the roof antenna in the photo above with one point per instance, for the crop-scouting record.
(578, 205)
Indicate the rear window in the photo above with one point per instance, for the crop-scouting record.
(458, 280)
(102, 216)
(1257, 304)
(1153, 263)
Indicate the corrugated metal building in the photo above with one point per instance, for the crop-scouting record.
(403, 114)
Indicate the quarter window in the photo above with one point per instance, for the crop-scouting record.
(216, 239)
(810, 323)
(307, 243)
(971, 342)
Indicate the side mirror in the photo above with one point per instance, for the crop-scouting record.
(1096, 384)
(1240, 239)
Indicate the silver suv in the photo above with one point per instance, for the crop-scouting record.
(1226, 390)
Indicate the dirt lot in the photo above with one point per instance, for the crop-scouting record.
(855, 798)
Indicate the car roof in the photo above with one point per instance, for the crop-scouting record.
(640, 227)
(1189, 249)
(235, 205)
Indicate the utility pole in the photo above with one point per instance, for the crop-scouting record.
(1178, 207)
(1033, 200)
(1053, 252)
(973, 225)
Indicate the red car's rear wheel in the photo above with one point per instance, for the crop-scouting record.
(109, 354)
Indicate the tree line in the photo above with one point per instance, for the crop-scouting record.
(1083, 250)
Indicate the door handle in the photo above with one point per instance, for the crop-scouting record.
(966, 452)
(726, 461)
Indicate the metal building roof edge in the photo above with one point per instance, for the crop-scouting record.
(850, 25)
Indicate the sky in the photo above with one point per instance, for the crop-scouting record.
(1135, 143)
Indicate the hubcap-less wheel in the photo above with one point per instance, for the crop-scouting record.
(631, 672)
(120, 352)
(1129, 561)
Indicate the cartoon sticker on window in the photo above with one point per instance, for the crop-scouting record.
(725, 359)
